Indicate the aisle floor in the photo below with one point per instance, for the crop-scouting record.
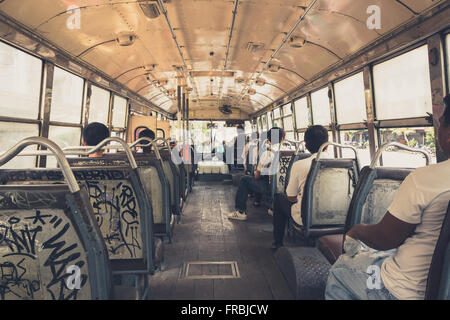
(206, 235)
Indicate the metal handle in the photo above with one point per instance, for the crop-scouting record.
(72, 151)
(55, 151)
(329, 143)
(300, 144)
(138, 142)
(400, 146)
(165, 142)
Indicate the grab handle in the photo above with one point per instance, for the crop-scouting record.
(400, 146)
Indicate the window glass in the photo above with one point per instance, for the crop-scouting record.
(248, 127)
(67, 97)
(290, 136)
(421, 138)
(402, 86)
(269, 119)
(287, 109)
(358, 139)
(276, 113)
(99, 105)
(63, 137)
(288, 125)
(119, 116)
(302, 116)
(20, 83)
(350, 100)
(10, 136)
(321, 107)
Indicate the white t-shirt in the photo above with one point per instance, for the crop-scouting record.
(299, 173)
(422, 199)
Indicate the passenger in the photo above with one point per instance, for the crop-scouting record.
(147, 133)
(290, 205)
(93, 134)
(268, 165)
(250, 154)
(411, 225)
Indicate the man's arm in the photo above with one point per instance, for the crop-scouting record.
(388, 234)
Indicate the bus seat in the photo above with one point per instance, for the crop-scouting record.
(438, 284)
(305, 270)
(157, 187)
(331, 246)
(172, 173)
(46, 228)
(327, 194)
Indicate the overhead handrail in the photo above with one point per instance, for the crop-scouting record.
(400, 146)
(55, 151)
(89, 150)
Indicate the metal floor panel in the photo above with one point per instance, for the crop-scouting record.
(209, 270)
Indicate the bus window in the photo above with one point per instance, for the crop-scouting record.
(20, 83)
(321, 107)
(358, 139)
(64, 137)
(119, 112)
(422, 138)
(302, 116)
(269, 120)
(350, 100)
(447, 40)
(99, 105)
(402, 86)
(67, 97)
(10, 135)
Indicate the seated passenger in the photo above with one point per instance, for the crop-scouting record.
(268, 165)
(290, 205)
(147, 133)
(411, 225)
(250, 153)
(93, 134)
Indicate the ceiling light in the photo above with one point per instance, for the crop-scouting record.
(246, 98)
(251, 91)
(162, 82)
(239, 80)
(274, 67)
(171, 91)
(260, 82)
(297, 42)
(255, 46)
(126, 38)
(149, 67)
(151, 10)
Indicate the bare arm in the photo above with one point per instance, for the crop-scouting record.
(388, 234)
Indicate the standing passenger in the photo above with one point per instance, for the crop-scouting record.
(268, 165)
(411, 225)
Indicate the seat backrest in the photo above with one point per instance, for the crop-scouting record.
(51, 247)
(438, 284)
(277, 182)
(120, 204)
(327, 194)
(173, 175)
(373, 195)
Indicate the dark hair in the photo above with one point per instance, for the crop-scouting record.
(147, 133)
(315, 136)
(94, 133)
(275, 133)
(447, 110)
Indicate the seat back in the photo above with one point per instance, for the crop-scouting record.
(373, 195)
(327, 193)
(172, 173)
(51, 247)
(438, 284)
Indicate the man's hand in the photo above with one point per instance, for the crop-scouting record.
(257, 174)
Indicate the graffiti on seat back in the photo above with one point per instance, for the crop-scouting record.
(36, 249)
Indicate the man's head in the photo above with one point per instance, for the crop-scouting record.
(444, 128)
(315, 136)
(94, 133)
(147, 133)
(275, 135)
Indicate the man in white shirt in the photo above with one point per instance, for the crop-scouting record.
(411, 225)
(259, 184)
(289, 205)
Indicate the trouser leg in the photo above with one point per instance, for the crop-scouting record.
(281, 213)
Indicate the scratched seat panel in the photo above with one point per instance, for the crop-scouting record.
(38, 239)
(153, 187)
(169, 174)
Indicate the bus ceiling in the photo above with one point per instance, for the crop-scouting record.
(233, 58)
